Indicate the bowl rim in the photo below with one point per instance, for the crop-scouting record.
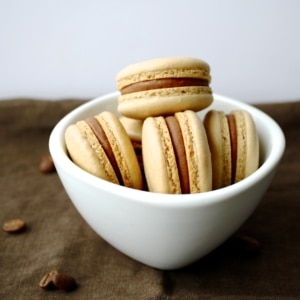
(61, 160)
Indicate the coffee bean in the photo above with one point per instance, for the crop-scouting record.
(47, 282)
(46, 164)
(64, 282)
(247, 244)
(14, 226)
(57, 280)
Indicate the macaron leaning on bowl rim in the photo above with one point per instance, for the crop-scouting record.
(234, 145)
(101, 146)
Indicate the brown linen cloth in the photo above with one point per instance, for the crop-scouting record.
(58, 238)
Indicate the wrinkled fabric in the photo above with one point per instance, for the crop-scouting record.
(58, 238)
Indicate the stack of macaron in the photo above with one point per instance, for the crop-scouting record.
(159, 143)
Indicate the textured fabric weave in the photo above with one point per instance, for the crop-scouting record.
(58, 238)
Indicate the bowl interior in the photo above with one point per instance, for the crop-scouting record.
(183, 228)
(271, 138)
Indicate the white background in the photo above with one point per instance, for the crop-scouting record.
(55, 49)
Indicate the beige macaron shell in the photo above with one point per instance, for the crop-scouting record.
(159, 158)
(197, 151)
(86, 151)
(164, 101)
(133, 128)
(218, 135)
(122, 149)
(163, 68)
(141, 105)
(248, 145)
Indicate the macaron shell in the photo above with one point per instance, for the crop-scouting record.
(122, 149)
(133, 128)
(159, 158)
(217, 130)
(165, 101)
(171, 67)
(197, 151)
(86, 151)
(248, 145)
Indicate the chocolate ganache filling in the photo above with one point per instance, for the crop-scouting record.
(163, 83)
(180, 154)
(233, 143)
(104, 142)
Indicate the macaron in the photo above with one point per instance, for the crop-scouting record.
(176, 154)
(133, 128)
(101, 146)
(234, 145)
(163, 86)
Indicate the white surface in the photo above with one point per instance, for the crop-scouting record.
(74, 48)
(162, 230)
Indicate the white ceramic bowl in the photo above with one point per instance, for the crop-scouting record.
(159, 230)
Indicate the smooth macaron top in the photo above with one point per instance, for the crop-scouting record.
(176, 155)
(174, 67)
(101, 146)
